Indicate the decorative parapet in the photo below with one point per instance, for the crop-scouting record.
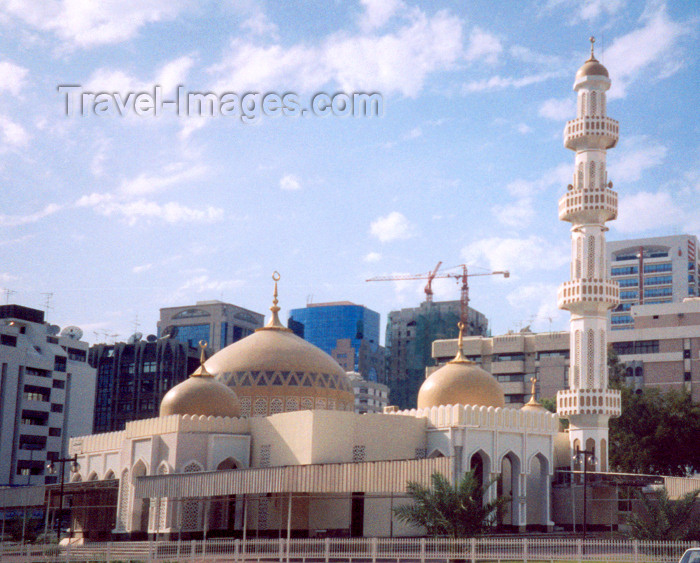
(109, 441)
(601, 132)
(578, 205)
(574, 294)
(156, 426)
(504, 419)
(588, 401)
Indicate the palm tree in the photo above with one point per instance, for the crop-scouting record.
(664, 519)
(443, 509)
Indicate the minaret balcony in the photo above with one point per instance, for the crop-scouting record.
(588, 206)
(571, 402)
(591, 133)
(579, 294)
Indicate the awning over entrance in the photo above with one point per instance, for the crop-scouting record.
(370, 477)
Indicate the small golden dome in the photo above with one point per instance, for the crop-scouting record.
(532, 405)
(460, 382)
(592, 67)
(201, 394)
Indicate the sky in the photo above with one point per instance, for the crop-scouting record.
(108, 212)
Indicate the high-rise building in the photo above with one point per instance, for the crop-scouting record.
(370, 396)
(47, 393)
(652, 270)
(346, 331)
(217, 323)
(588, 204)
(410, 334)
(133, 377)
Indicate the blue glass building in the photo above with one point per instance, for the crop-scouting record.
(324, 324)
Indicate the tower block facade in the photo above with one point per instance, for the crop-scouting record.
(588, 204)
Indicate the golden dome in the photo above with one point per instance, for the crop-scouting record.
(201, 394)
(273, 370)
(460, 382)
(592, 67)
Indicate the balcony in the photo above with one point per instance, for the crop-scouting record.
(591, 206)
(588, 401)
(504, 367)
(579, 294)
(591, 132)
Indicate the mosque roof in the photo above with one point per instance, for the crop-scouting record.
(592, 67)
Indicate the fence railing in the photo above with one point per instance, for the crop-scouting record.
(382, 550)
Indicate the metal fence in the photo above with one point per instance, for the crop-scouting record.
(382, 550)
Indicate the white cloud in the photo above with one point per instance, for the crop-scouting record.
(558, 109)
(173, 174)
(646, 210)
(538, 302)
(651, 49)
(391, 227)
(6, 278)
(556, 176)
(171, 75)
(372, 257)
(483, 47)
(516, 214)
(17, 220)
(589, 10)
(13, 134)
(413, 134)
(517, 254)
(259, 24)
(12, 77)
(635, 156)
(378, 12)
(203, 284)
(141, 269)
(290, 182)
(396, 62)
(133, 211)
(86, 24)
(501, 83)
(523, 128)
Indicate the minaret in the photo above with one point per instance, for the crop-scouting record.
(588, 204)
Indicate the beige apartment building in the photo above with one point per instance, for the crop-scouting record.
(661, 350)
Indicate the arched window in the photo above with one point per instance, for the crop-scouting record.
(594, 103)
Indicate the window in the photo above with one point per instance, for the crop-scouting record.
(553, 354)
(629, 294)
(37, 372)
(59, 363)
(513, 377)
(654, 268)
(56, 407)
(34, 418)
(34, 393)
(620, 320)
(687, 376)
(512, 357)
(149, 367)
(658, 292)
(58, 384)
(628, 282)
(624, 270)
(686, 354)
(54, 431)
(8, 340)
(76, 355)
(639, 347)
(515, 398)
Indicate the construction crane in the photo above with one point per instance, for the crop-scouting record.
(462, 277)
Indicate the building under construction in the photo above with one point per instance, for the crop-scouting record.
(409, 337)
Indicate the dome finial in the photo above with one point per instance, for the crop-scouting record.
(275, 320)
(459, 358)
(532, 403)
(201, 371)
(592, 40)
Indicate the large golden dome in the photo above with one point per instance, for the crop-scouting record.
(201, 394)
(460, 382)
(273, 370)
(592, 66)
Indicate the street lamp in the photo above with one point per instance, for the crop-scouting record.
(51, 469)
(588, 456)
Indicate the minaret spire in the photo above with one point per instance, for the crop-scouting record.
(588, 204)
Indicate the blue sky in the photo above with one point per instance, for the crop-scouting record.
(119, 216)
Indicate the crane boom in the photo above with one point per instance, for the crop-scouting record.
(459, 277)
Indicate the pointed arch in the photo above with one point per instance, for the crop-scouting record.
(434, 453)
(227, 464)
(163, 468)
(193, 466)
(93, 476)
(110, 475)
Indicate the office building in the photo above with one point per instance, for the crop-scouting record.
(370, 396)
(650, 271)
(347, 332)
(47, 393)
(133, 377)
(215, 322)
(410, 334)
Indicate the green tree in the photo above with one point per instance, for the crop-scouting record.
(656, 433)
(444, 509)
(661, 518)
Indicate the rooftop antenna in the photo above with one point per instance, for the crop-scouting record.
(136, 323)
(47, 303)
(7, 293)
(309, 299)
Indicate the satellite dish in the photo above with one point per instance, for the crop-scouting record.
(53, 330)
(134, 338)
(170, 332)
(151, 338)
(72, 332)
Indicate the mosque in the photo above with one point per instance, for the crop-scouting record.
(262, 439)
